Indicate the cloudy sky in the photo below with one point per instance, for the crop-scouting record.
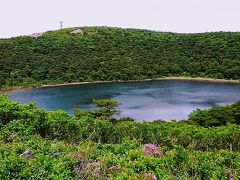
(19, 17)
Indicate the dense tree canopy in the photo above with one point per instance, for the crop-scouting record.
(101, 53)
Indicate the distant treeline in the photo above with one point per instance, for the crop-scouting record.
(101, 53)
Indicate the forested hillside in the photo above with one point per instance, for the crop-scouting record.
(101, 53)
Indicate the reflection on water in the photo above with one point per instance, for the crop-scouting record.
(140, 100)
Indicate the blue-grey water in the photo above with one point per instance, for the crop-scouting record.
(166, 100)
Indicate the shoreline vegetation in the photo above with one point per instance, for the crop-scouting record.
(43, 144)
(180, 78)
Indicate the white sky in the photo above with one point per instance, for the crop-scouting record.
(19, 17)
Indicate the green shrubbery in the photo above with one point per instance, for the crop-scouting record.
(217, 116)
(38, 144)
(102, 53)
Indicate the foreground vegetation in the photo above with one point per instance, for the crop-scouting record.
(40, 144)
(101, 53)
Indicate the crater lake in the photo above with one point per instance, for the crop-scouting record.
(150, 100)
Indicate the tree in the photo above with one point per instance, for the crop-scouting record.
(107, 107)
(176, 69)
(106, 111)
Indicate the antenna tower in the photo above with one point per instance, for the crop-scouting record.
(61, 24)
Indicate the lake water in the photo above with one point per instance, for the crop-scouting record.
(166, 100)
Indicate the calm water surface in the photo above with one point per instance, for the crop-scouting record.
(140, 100)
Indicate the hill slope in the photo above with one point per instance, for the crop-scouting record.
(101, 53)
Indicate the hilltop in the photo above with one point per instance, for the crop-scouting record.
(105, 54)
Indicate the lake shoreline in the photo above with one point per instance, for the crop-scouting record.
(199, 79)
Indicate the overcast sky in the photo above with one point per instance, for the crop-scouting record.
(19, 17)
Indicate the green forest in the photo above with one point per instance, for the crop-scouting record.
(102, 53)
(40, 144)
